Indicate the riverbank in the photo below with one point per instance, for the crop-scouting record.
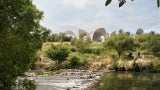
(68, 79)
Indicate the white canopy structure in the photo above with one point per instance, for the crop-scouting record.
(99, 35)
(70, 33)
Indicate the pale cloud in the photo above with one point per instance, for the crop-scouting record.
(75, 3)
(155, 28)
(62, 15)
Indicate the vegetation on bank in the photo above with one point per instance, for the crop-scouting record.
(122, 51)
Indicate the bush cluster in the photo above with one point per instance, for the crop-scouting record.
(96, 51)
(58, 53)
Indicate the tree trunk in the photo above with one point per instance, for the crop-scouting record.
(119, 54)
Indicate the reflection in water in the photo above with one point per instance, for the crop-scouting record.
(128, 81)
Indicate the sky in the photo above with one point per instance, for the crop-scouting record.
(89, 15)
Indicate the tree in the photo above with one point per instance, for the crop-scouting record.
(121, 42)
(81, 43)
(58, 53)
(61, 37)
(20, 39)
(122, 2)
(141, 41)
(78, 43)
(67, 38)
(139, 31)
(45, 33)
(150, 42)
(154, 44)
(54, 38)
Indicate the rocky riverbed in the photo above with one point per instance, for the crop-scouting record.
(68, 80)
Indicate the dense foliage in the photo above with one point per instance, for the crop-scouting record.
(21, 37)
(81, 44)
(149, 43)
(121, 42)
(74, 61)
(58, 53)
(61, 37)
(145, 43)
(121, 47)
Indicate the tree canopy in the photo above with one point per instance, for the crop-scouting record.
(139, 31)
(58, 53)
(121, 42)
(148, 42)
(144, 43)
(21, 36)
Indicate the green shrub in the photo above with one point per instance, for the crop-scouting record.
(150, 66)
(96, 51)
(145, 52)
(155, 69)
(73, 49)
(25, 84)
(74, 61)
(80, 44)
(86, 50)
(112, 54)
(114, 64)
(65, 64)
(52, 67)
(58, 52)
(137, 67)
(85, 63)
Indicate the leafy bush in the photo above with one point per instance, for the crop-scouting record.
(155, 69)
(86, 61)
(80, 44)
(59, 53)
(137, 67)
(73, 49)
(86, 50)
(65, 64)
(111, 53)
(149, 66)
(96, 51)
(74, 61)
(114, 65)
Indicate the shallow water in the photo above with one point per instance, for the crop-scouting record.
(128, 81)
(61, 83)
(72, 80)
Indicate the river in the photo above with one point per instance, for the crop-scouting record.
(69, 80)
(128, 81)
